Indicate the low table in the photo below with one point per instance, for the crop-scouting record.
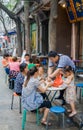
(56, 89)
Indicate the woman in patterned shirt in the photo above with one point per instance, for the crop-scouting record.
(20, 78)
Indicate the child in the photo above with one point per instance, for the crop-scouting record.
(41, 78)
(14, 67)
(41, 73)
(71, 89)
(37, 62)
(31, 64)
(31, 98)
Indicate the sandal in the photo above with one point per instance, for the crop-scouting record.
(45, 123)
(72, 114)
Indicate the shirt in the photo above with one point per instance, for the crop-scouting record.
(19, 82)
(24, 61)
(31, 99)
(31, 65)
(14, 66)
(6, 62)
(64, 60)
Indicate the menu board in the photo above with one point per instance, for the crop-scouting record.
(75, 10)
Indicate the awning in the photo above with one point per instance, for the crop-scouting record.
(12, 32)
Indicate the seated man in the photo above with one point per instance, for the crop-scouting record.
(26, 59)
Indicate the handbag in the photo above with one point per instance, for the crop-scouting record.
(58, 81)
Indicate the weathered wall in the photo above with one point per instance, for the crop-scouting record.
(63, 32)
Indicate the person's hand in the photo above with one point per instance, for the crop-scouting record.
(61, 72)
(64, 81)
(42, 81)
(49, 84)
(48, 79)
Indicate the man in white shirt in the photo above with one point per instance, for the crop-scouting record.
(26, 59)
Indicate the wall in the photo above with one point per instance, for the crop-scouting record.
(45, 37)
(63, 32)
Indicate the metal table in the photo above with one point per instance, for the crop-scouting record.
(56, 89)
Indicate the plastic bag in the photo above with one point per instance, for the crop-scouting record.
(58, 81)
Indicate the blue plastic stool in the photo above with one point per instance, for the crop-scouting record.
(80, 85)
(24, 113)
(79, 71)
(56, 110)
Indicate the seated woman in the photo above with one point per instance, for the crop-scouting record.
(20, 78)
(5, 63)
(31, 98)
(14, 67)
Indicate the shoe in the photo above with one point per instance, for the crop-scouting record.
(45, 123)
(72, 114)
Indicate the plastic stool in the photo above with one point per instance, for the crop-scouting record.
(79, 71)
(14, 94)
(56, 110)
(80, 85)
(24, 118)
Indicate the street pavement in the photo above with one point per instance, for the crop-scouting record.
(11, 119)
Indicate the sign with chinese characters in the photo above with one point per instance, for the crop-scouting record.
(75, 10)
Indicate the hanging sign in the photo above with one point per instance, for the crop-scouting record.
(75, 10)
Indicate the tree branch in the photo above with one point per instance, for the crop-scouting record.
(10, 14)
(4, 27)
(1, 18)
